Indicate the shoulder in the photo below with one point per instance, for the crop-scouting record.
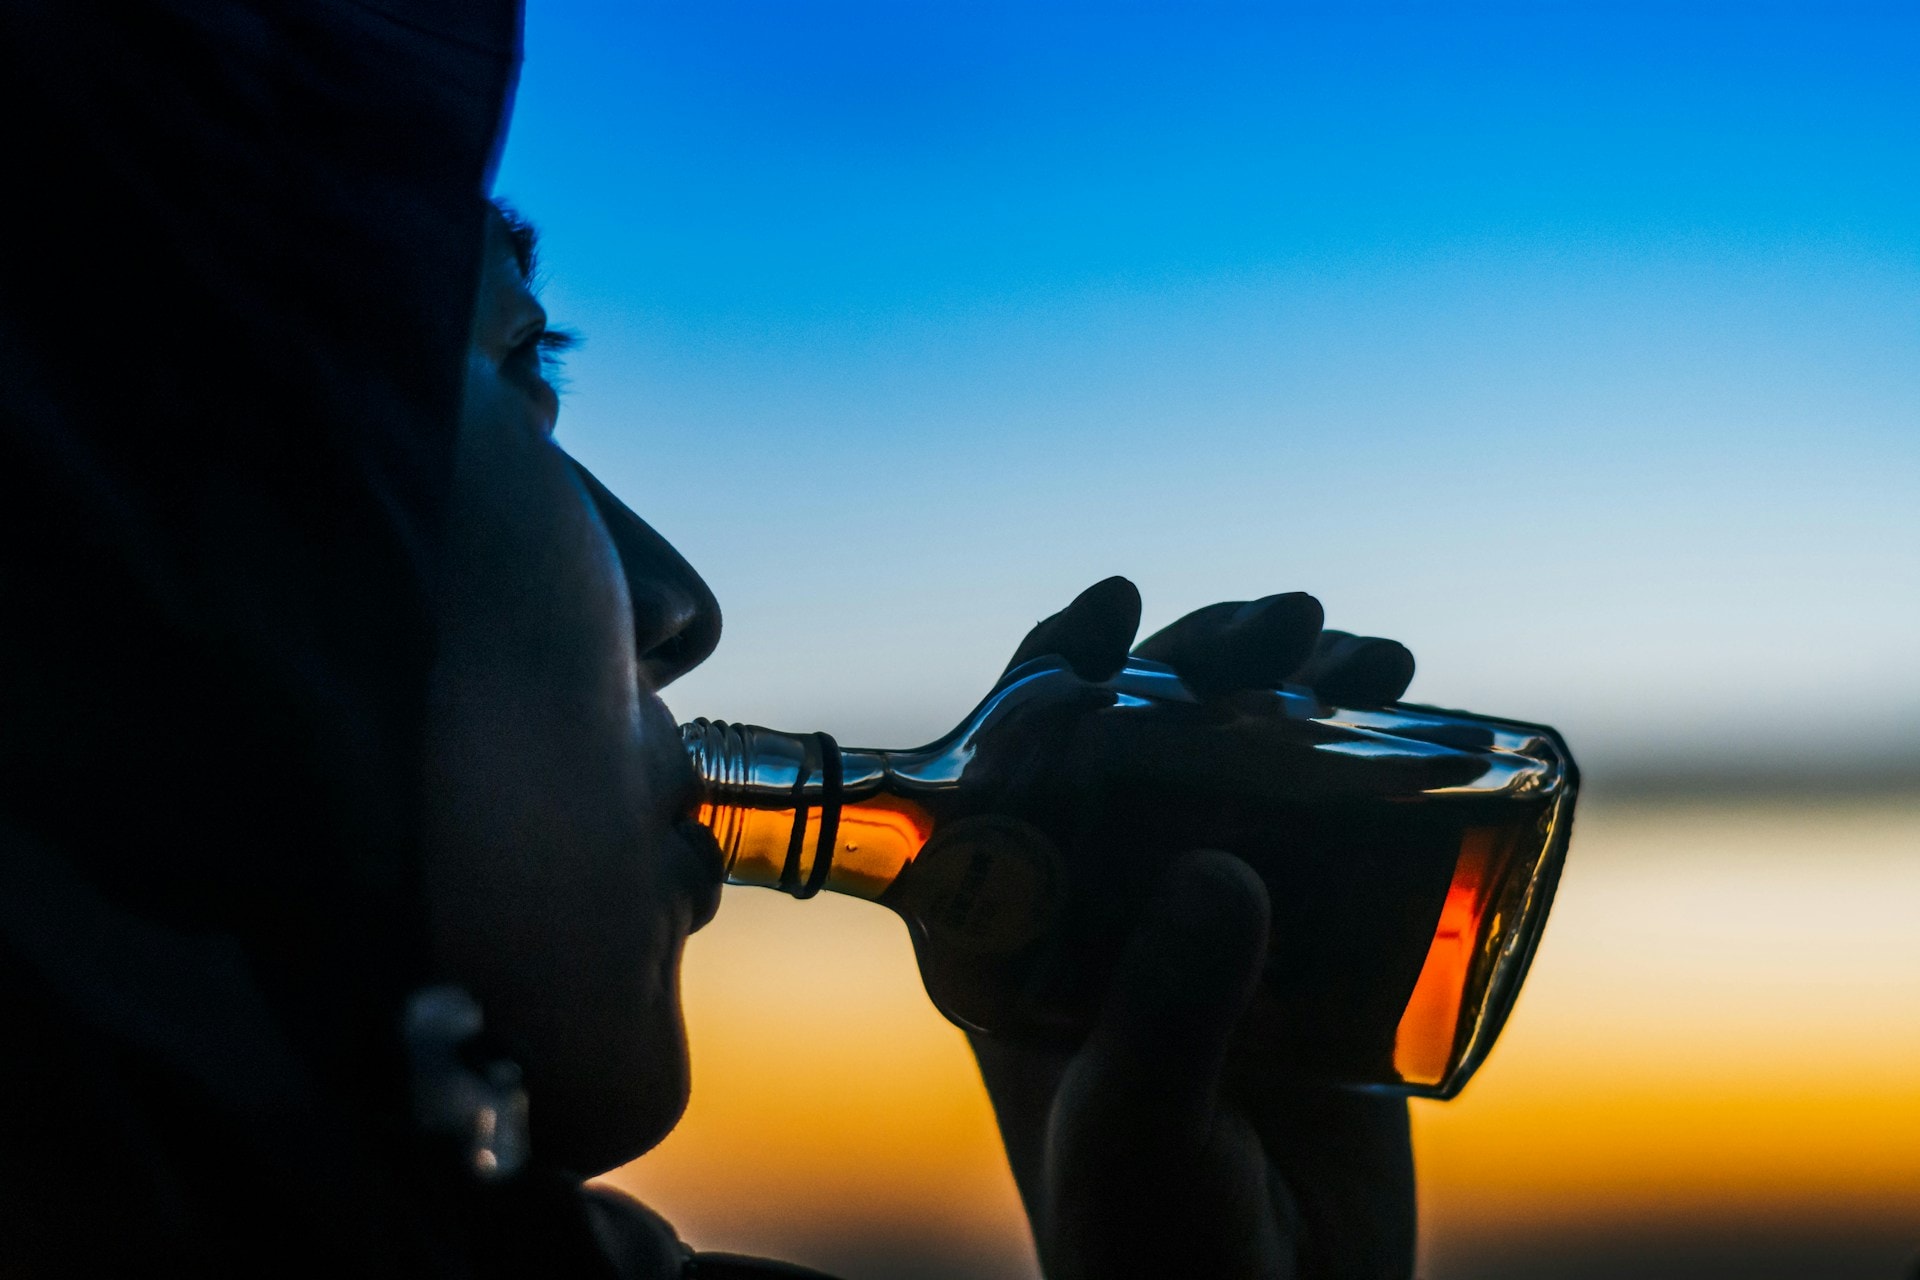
(731, 1266)
(643, 1246)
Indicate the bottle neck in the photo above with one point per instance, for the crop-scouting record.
(796, 812)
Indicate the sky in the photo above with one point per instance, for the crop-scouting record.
(1573, 345)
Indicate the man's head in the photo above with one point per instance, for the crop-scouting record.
(563, 873)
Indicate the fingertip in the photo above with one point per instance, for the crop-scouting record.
(1213, 890)
(1290, 610)
(1267, 639)
(1187, 976)
(1202, 939)
(1369, 671)
(1092, 634)
(1396, 665)
(1099, 627)
(1112, 598)
(1117, 582)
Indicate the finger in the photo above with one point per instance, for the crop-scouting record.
(1254, 644)
(1155, 1055)
(1092, 634)
(1347, 1159)
(1357, 671)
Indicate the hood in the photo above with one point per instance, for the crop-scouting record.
(244, 243)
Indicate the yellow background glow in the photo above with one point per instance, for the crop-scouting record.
(1720, 1037)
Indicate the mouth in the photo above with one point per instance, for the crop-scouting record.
(705, 870)
(701, 866)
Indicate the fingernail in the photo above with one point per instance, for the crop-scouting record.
(1102, 622)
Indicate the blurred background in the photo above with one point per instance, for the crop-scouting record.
(1575, 345)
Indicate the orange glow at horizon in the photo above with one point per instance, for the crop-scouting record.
(1722, 1025)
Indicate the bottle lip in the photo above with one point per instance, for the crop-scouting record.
(720, 753)
(743, 768)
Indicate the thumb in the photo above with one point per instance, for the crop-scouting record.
(1156, 1053)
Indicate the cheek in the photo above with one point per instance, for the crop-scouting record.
(544, 873)
(535, 587)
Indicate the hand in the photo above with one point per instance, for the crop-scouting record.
(1148, 1151)
(1256, 644)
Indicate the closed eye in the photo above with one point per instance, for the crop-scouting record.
(552, 344)
(543, 354)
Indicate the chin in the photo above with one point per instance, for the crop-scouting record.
(614, 1113)
(618, 1086)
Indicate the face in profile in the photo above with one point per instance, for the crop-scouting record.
(563, 872)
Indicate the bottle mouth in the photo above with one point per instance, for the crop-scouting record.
(719, 756)
(746, 774)
(721, 762)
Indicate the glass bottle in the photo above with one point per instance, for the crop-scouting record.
(1410, 854)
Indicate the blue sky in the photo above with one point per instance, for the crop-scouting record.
(1578, 346)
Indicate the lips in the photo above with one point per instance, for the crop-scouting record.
(704, 869)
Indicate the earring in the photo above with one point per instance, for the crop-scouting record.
(460, 1092)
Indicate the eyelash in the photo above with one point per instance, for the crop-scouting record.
(549, 348)
(554, 343)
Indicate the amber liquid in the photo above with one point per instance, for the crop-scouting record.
(1390, 918)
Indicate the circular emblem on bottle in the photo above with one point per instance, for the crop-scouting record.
(986, 885)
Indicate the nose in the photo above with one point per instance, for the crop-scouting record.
(676, 620)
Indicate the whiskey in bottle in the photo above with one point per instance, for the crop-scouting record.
(1410, 854)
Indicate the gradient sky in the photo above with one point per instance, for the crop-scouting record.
(1577, 346)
